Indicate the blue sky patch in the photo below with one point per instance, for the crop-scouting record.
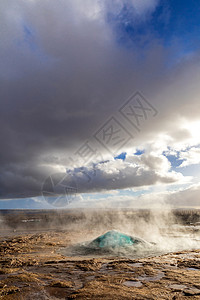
(121, 156)
(173, 23)
(139, 152)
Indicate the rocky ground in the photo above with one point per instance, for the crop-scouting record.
(32, 268)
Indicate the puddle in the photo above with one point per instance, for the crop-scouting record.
(76, 272)
(106, 269)
(136, 265)
(159, 276)
(177, 287)
(112, 273)
(132, 283)
(193, 269)
(92, 277)
(109, 272)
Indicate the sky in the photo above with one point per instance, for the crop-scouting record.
(99, 103)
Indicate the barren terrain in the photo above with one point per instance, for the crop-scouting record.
(33, 266)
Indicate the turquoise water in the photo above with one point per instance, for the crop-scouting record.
(113, 239)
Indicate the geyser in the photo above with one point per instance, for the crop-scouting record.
(112, 243)
(113, 239)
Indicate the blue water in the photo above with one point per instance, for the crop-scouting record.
(114, 239)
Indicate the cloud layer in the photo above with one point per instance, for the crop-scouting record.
(142, 171)
(65, 71)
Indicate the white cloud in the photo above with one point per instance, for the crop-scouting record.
(136, 171)
(190, 157)
(183, 198)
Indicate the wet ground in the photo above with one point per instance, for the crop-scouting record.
(33, 268)
(48, 262)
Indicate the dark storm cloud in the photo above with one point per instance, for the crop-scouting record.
(62, 75)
